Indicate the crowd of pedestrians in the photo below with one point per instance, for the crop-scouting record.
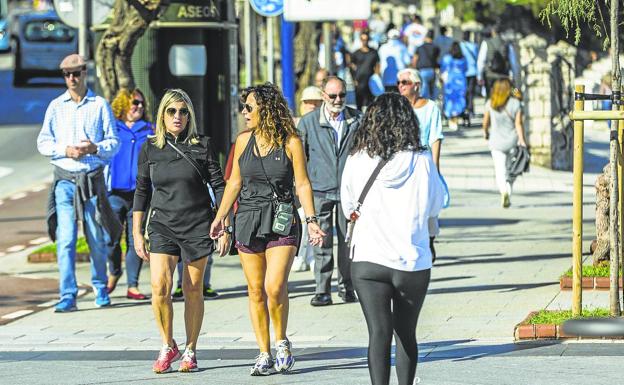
(290, 184)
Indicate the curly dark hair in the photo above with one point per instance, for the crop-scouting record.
(276, 123)
(389, 126)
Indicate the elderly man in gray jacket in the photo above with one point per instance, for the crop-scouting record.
(327, 134)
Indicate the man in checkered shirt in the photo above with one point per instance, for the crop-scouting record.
(79, 135)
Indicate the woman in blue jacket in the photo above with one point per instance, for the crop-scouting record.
(133, 127)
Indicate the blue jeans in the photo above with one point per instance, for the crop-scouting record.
(66, 236)
(122, 206)
(427, 78)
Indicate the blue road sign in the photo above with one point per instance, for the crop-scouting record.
(268, 8)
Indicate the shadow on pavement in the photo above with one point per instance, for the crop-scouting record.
(505, 287)
(522, 258)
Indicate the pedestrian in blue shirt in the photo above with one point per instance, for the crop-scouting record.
(133, 127)
(79, 134)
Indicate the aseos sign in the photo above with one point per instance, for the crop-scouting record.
(326, 10)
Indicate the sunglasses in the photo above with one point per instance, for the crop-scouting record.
(137, 102)
(334, 96)
(171, 111)
(247, 107)
(405, 83)
(75, 74)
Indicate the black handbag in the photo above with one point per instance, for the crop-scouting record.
(283, 212)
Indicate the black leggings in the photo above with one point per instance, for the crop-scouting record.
(391, 300)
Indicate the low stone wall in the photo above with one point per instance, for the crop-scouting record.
(548, 89)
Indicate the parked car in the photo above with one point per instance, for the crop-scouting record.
(4, 35)
(41, 41)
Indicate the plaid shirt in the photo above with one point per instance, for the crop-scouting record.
(67, 123)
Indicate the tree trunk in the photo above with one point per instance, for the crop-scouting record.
(614, 250)
(601, 250)
(114, 53)
(306, 56)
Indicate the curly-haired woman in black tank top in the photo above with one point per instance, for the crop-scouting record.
(268, 161)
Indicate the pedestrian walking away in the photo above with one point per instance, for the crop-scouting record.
(179, 220)
(454, 67)
(79, 134)
(430, 127)
(391, 258)
(268, 161)
(133, 127)
(503, 129)
(327, 136)
(425, 60)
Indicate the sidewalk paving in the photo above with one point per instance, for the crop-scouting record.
(494, 266)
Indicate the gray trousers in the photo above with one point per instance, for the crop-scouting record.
(329, 213)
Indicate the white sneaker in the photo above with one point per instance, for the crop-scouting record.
(263, 366)
(284, 359)
(299, 264)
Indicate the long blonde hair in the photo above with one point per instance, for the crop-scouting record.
(501, 91)
(173, 96)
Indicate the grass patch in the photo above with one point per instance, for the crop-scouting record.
(81, 247)
(602, 270)
(558, 317)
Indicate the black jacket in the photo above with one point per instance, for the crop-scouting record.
(325, 160)
(168, 183)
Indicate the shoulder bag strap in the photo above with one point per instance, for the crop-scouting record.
(213, 198)
(369, 184)
(275, 194)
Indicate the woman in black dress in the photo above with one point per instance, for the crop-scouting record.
(268, 161)
(179, 220)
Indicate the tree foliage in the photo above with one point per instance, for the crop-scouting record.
(575, 13)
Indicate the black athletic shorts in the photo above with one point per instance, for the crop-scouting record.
(189, 249)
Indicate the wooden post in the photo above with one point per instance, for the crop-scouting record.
(577, 208)
(620, 128)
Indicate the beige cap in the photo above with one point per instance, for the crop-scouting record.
(73, 61)
(311, 93)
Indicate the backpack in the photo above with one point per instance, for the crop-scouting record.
(499, 62)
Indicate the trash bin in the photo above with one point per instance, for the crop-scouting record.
(193, 46)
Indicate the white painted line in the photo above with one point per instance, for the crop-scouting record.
(39, 241)
(48, 304)
(17, 314)
(15, 248)
(41, 187)
(17, 196)
(4, 171)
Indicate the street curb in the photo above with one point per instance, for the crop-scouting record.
(589, 283)
(51, 257)
(527, 332)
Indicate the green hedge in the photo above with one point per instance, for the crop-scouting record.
(602, 270)
(81, 247)
(558, 317)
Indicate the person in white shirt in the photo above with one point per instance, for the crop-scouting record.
(393, 57)
(390, 241)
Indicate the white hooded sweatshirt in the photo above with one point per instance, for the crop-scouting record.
(392, 229)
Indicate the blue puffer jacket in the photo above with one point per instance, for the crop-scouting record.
(123, 167)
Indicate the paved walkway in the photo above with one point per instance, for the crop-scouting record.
(494, 266)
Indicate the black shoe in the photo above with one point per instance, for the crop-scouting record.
(321, 300)
(348, 296)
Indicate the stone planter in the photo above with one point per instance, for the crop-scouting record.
(530, 332)
(589, 283)
(51, 257)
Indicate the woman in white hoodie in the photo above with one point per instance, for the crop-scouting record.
(390, 243)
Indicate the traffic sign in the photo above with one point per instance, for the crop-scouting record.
(326, 10)
(268, 8)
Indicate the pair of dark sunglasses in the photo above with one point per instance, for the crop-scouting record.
(334, 96)
(247, 107)
(171, 111)
(405, 83)
(138, 102)
(75, 74)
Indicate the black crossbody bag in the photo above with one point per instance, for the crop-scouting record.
(355, 214)
(213, 198)
(283, 212)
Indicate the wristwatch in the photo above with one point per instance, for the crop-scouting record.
(228, 229)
